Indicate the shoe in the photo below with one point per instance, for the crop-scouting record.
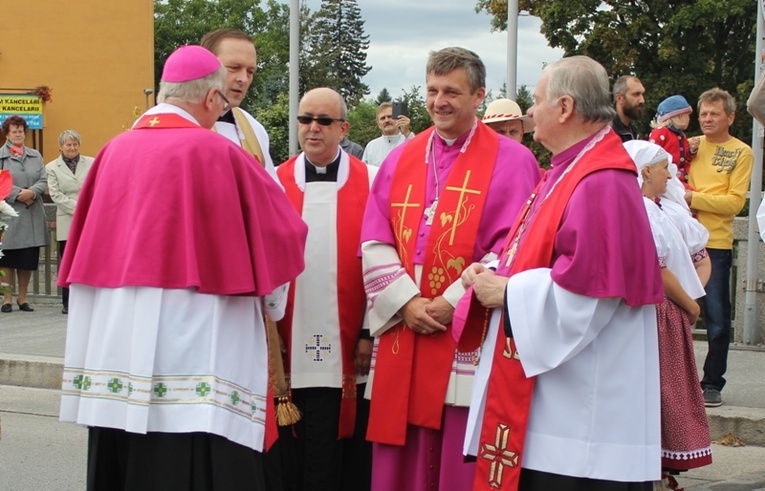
(712, 398)
(6, 308)
(65, 310)
(25, 307)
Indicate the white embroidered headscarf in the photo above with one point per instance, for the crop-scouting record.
(645, 153)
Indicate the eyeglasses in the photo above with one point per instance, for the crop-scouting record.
(322, 120)
(226, 104)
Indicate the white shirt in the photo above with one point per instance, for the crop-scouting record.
(379, 148)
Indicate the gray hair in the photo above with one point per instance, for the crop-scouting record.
(620, 86)
(193, 91)
(586, 82)
(383, 106)
(69, 135)
(717, 94)
(449, 59)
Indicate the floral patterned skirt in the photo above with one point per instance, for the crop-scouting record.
(685, 442)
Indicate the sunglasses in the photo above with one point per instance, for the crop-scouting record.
(323, 120)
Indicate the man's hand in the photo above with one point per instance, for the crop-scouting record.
(693, 144)
(402, 123)
(470, 273)
(26, 196)
(363, 356)
(440, 310)
(688, 196)
(489, 289)
(417, 318)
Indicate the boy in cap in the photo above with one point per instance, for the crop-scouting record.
(672, 118)
(166, 348)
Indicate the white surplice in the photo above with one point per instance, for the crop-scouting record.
(146, 359)
(578, 425)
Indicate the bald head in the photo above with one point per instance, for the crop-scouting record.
(321, 142)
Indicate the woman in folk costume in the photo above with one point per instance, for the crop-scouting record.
(685, 268)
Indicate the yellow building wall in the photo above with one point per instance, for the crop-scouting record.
(97, 57)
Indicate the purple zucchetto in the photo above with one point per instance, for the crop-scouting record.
(189, 63)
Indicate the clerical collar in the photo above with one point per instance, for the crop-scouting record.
(314, 173)
(227, 117)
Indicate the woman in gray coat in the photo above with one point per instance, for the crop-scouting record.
(25, 234)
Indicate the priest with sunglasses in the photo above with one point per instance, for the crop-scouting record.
(327, 352)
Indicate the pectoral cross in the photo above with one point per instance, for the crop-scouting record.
(431, 212)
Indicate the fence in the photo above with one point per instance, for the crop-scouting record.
(42, 287)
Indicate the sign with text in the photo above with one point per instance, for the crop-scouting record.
(29, 107)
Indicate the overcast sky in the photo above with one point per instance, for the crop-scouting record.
(403, 32)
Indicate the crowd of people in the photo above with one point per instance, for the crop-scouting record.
(431, 312)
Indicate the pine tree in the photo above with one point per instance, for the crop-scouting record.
(334, 51)
(383, 96)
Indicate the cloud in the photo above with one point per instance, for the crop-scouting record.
(403, 33)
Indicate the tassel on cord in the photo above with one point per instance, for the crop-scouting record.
(286, 411)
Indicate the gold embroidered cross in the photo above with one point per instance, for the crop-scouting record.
(154, 121)
(463, 190)
(499, 455)
(406, 204)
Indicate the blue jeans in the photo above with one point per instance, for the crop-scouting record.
(717, 318)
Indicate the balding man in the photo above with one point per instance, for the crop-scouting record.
(629, 97)
(576, 356)
(166, 357)
(322, 328)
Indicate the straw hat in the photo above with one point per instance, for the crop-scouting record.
(507, 110)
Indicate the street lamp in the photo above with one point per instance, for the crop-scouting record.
(147, 93)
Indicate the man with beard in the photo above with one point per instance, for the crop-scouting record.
(395, 132)
(630, 102)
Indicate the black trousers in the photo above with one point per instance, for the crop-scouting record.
(64, 290)
(544, 481)
(118, 460)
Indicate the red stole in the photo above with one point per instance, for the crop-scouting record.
(507, 410)
(164, 120)
(412, 371)
(351, 201)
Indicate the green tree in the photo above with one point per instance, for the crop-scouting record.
(418, 110)
(362, 119)
(674, 46)
(334, 50)
(275, 118)
(383, 96)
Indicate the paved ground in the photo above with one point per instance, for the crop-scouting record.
(31, 360)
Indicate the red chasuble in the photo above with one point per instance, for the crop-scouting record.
(509, 392)
(351, 301)
(412, 371)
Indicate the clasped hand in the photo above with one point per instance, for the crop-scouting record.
(427, 316)
(489, 288)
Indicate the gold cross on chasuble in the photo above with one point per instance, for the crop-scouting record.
(154, 121)
(499, 456)
(463, 190)
(406, 204)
